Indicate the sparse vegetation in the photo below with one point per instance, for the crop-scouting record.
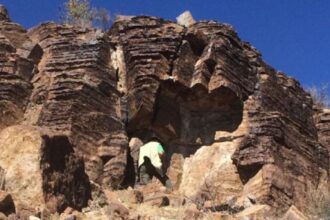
(81, 13)
(320, 95)
(319, 203)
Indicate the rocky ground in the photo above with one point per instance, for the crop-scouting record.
(156, 202)
(242, 140)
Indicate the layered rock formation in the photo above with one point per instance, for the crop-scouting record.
(75, 66)
(322, 121)
(17, 69)
(233, 127)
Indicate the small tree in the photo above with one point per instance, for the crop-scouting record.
(320, 95)
(80, 13)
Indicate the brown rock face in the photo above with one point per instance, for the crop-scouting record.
(203, 90)
(17, 68)
(41, 171)
(322, 121)
(282, 142)
(233, 128)
(75, 96)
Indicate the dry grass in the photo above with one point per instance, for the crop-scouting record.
(319, 203)
(320, 95)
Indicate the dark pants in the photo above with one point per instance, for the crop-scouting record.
(147, 171)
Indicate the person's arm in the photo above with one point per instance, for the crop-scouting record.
(161, 154)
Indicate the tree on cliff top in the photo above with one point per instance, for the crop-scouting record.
(80, 13)
(320, 95)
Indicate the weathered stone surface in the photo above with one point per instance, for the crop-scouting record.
(210, 173)
(191, 213)
(322, 121)
(41, 170)
(257, 212)
(75, 95)
(2, 179)
(17, 68)
(117, 211)
(281, 131)
(294, 214)
(175, 170)
(20, 157)
(3, 216)
(149, 46)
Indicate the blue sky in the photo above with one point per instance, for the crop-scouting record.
(292, 35)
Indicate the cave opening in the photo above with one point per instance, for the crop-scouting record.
(248, 171)
(187, 118)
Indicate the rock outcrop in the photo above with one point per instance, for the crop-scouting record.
(75, 94)
(251, 127)
(322, 121)
(18, 57)
(236, 132)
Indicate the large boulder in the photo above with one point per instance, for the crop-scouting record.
(41, 171)
(20, 157)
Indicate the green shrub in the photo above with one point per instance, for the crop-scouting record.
(80, 13)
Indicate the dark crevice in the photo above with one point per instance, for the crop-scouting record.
(183, 33)
(130, 171)
(105, 159)
(210, 65)
(56, 151)
(197, 43)
(7, 205)
(63, 174)
(248, 171)
(36, 54)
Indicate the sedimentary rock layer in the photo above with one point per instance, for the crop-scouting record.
(18, 57)
(231, 125)
(75, 95)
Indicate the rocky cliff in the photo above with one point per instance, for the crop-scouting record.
(234, 129)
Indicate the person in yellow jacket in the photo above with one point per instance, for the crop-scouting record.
(151, 163)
